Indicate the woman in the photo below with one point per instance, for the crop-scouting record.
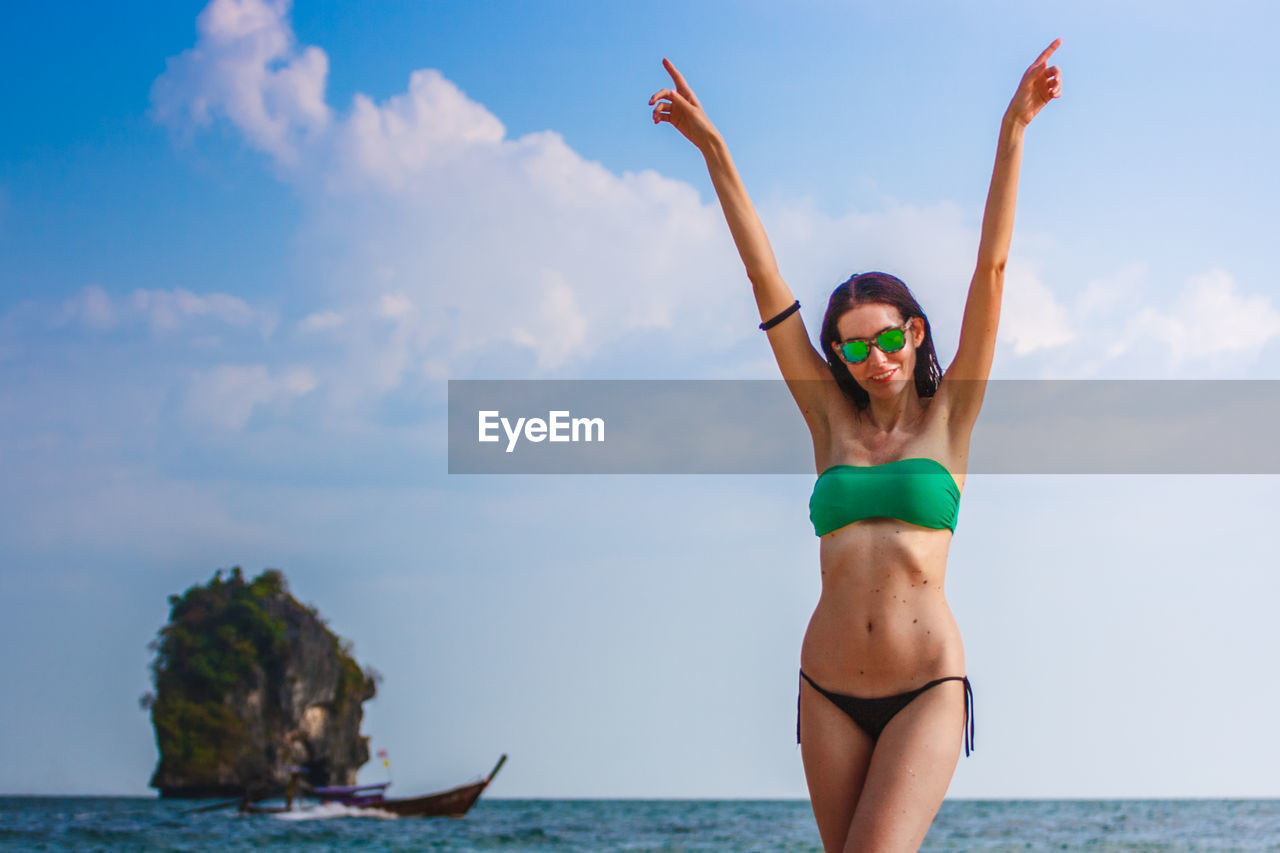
(884, 700)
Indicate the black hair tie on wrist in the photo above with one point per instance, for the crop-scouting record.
(779, 317)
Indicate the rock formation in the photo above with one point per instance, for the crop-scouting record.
(248, 683)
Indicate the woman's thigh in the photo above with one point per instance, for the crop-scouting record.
(836, 754)
(910, 772)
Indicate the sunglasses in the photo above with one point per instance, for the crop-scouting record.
(890, 340)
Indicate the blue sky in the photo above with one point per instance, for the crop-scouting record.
(238, 263)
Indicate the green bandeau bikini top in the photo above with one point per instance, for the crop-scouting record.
(915, 490)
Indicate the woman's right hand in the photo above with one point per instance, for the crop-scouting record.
(680, 107)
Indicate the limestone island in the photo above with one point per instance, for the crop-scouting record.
(251, 687)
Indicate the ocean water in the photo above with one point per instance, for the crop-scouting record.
(135, 824)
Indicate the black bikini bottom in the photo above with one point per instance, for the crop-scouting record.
(872, 715)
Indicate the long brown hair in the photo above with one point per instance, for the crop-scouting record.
(877, 287)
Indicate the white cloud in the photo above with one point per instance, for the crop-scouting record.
(421, 213)
(164, 312)
(320, 321)
(1031, 318)
(247, 68)
(394, 306)
(1130, 330)
(1210, 318)
(469, 240)
(90, 306)
(1119, 291)
(432, 124)
(297, 381)
(556, 320)
(225, 396)
(423, 197)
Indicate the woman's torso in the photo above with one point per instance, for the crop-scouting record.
(882, 624)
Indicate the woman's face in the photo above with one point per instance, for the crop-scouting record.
(880, 374)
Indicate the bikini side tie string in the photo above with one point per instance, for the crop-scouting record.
(968, 712)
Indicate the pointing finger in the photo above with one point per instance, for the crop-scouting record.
(671, 69)
(1047, 52)
(682, 85)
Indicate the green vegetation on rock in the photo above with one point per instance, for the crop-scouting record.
(248, 681)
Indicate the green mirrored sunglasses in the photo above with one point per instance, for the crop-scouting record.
(890, 340)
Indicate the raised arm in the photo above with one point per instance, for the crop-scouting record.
(964, 382)
(800, 363)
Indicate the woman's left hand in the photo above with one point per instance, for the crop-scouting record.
(1040, 84)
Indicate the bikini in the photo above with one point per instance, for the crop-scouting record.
(915, 490)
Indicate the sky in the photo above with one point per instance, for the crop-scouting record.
(244, 246)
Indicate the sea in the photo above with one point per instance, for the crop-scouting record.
(136, 824)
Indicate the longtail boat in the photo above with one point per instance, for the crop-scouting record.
(352, 795)
(455, 802)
